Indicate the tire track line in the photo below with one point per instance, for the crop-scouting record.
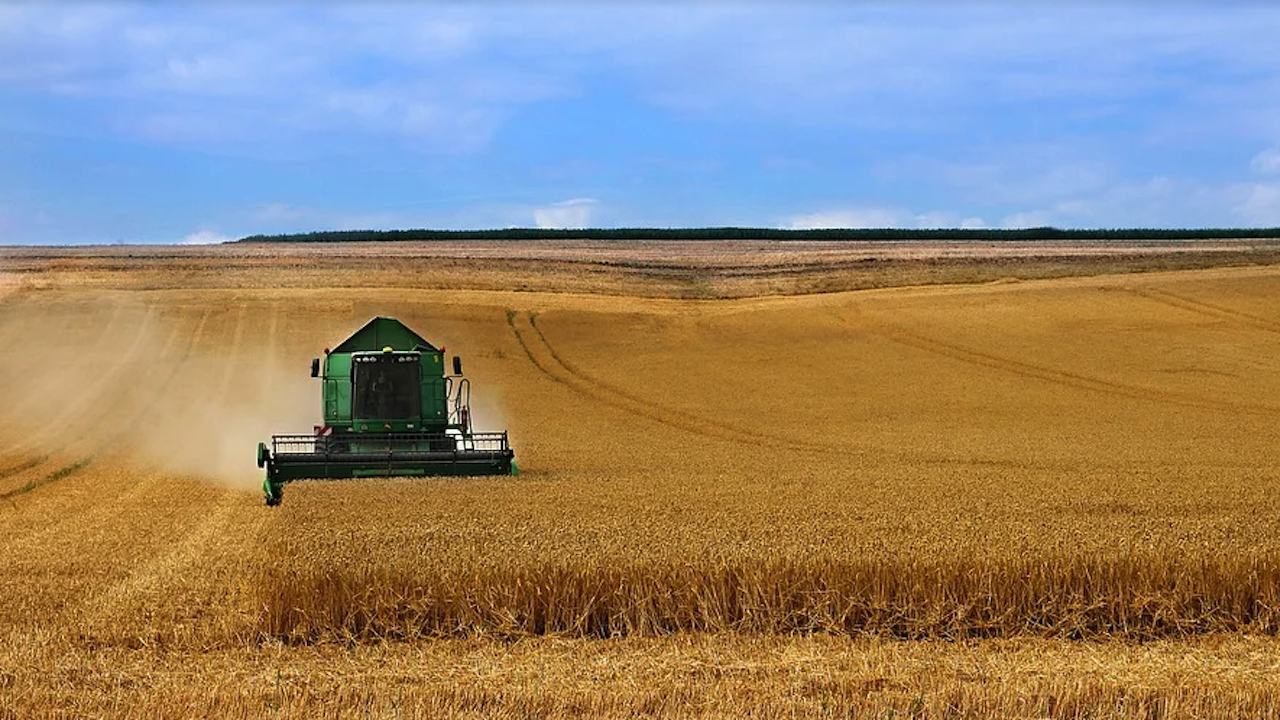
(22, 408)
(230, 358)
(125, 427)
(1200, 307)
(72, 416)
(153, 576)
(551, 364)
(193, 544)
(272, 343)
(105, 384)
(12, 319)
(91, 520)
(22, 466)
(638, 400)
(1054, 376)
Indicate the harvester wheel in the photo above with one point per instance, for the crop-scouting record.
(272, 493)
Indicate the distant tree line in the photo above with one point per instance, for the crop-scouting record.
(742, 233)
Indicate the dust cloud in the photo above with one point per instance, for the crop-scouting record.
(106, 377)
(487, 411)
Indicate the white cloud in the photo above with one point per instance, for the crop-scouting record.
(1020, 220)
(1267, 162)
(570, 214)
(936, 219)
(311, 79)
(866, 217)
(1261, 205)
(205, 237)
(448, 75)
(880, 217)
(1157, 202)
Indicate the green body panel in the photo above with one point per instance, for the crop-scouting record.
(382, 332)
(385, 400)
(371, 341)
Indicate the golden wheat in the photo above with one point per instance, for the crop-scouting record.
(1038, 499)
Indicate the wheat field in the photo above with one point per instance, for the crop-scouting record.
(1049, 497)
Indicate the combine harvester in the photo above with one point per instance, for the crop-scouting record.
(389, 410)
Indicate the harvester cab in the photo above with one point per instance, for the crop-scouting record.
(389, 410)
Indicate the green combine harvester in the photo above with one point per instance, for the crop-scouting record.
(389, 410)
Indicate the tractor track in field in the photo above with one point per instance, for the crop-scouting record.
(71, 417)
(88, 457)
(100, 387)
(91, 521)
(233, 349)
(1053, 376)
(22, 466)
(1258, 359)
(1199, 307)
(165, 569)
(9, 320)
(272, 343)
(32, 437)
(150, 578)
(555, 367)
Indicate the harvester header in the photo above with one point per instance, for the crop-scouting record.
(389, 409)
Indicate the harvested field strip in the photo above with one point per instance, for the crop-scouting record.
(165, 379)
(233, 349)
(272, 344)
(126, 610)
(35, 405)
(544, 357)
(104, 443)
(1140, 596)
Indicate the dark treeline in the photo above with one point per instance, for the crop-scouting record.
(742, 233)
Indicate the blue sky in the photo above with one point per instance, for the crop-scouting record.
(201, 121)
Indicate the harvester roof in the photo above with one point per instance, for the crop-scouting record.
(384, 332)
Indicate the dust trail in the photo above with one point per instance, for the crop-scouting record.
(180, 392)
(488, 414)
(223, 403)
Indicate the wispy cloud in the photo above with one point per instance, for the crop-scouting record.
(1261, 205)
(1267, 162)
(853, 218)
(205, 237)
(814, 113)
(569, 214)
(880, 217)
(400, 67)
(188, 73)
